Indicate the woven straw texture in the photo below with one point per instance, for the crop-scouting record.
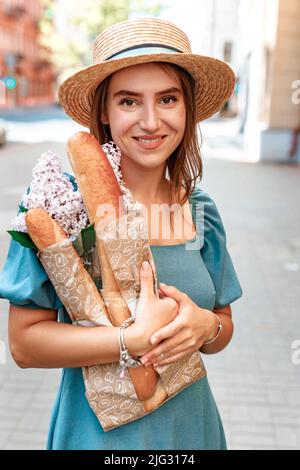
(214, 79)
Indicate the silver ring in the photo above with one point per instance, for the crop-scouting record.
(162, 355)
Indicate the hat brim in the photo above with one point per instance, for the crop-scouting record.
(214, 81)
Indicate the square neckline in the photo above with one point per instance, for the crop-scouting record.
(188, 241)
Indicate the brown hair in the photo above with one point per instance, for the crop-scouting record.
(184, 164)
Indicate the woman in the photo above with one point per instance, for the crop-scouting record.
(146, 91)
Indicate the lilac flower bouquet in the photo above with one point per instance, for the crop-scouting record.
(52, 191)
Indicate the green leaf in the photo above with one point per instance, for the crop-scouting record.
(22, 208)
(77, 243)
(22, 238)
(88, 238)
(85, 240)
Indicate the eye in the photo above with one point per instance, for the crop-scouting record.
(168, 99)
(127, 102)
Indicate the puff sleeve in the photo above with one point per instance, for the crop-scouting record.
(23, 280)
(215, 254)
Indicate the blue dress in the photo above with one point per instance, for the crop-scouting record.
(188, 421)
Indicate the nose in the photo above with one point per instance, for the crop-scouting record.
(150, 119)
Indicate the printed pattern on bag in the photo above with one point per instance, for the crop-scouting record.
(126, 247)
(73, 285)
(179, 374)
(113, 399)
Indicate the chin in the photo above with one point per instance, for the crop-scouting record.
(150, 165)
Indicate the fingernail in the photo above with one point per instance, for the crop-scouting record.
(145, 267)
(154, 340)
(162, 284)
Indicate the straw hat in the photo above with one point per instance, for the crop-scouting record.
(141, 41)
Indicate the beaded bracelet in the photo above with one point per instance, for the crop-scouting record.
(126, 360)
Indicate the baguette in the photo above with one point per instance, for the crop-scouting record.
(95, 176)
(45, 232)
(98, 185)
(99, 189)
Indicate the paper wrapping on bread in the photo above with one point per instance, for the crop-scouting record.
(73, 284)
(125, 255)
(103, 201)
(114, 400)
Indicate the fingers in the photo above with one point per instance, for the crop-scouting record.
(146, 275)
(176, 294)
(161, 295)
(172, 358)
(168, 348)
(167, 331)
(171, 303)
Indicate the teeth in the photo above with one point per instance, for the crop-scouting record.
(146, 141)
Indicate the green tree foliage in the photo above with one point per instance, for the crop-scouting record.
(71, 49)
(95, 15)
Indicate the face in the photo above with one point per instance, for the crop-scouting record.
(146, 113)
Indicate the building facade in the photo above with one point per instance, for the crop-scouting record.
(27, 77)
(269, 69)
(260, 40)
(212, 28)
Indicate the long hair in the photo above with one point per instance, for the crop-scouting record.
(184, 165)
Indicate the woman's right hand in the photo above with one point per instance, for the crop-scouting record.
(151, 314)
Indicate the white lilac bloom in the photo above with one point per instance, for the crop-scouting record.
(18, 223)
(113, 154)
(51, 190)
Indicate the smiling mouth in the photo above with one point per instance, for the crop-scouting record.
(149, 140)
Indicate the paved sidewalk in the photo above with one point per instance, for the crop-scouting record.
(254, 380)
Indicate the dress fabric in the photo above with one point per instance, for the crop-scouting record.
(204, 271)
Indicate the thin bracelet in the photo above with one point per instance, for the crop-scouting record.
(126, 360)
(220, 327)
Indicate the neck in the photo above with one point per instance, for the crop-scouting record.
(147, 185)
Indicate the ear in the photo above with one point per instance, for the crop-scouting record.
(104, 118)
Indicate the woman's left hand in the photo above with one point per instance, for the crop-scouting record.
(185, 334)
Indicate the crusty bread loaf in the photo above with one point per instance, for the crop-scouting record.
(96, 178)
(43, 230)
(98, 185)
(157, 398)
(99, 188)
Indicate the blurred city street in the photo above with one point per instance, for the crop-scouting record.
(255, 379)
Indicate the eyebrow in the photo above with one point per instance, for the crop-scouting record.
(134, 93)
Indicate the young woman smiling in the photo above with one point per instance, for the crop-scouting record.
(145, 92)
